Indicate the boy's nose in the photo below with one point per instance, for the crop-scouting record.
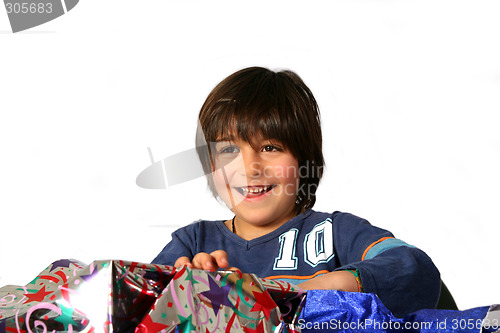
(251, 164)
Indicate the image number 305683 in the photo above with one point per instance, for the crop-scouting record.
(25, 14)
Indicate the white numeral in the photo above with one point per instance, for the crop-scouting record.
(287, 258)
(318, 246)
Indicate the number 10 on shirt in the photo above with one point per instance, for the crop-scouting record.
(317, 247)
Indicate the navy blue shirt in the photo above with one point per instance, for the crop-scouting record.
(314, 243)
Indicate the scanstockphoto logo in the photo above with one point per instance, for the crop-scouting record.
(25, 14)
(176, 169)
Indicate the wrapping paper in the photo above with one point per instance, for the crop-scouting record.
(122, 296)
(335, 311)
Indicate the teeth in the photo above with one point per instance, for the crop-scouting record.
(261, 190)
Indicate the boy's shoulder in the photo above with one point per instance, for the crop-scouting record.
(336, 217)
(341, 222)
(201, 225)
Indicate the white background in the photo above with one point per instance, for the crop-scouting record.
(409, 94)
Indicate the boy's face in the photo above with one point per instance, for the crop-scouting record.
(260, 183)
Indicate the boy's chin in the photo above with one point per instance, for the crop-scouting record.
(259, 217)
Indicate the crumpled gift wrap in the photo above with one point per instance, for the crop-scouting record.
(122, 296)
(332, 311)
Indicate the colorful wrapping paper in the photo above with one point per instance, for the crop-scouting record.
(121, 296)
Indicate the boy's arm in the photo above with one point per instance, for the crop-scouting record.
(338, 280)
(404, 278)
(401, 275)
(179, 246)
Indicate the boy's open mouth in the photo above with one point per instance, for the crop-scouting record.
(254, 191)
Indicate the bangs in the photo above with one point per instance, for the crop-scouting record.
(248, 124)
(259, 109)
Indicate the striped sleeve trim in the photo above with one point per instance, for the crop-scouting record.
(297, 277)
(382, 245)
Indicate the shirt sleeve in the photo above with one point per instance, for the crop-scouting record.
(402, 276)
(179, 246)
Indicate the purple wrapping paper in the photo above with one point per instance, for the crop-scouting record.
(122, 296)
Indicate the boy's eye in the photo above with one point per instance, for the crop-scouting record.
(228, 150)
(270, 148)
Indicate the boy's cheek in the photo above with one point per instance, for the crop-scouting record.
(228, 164)
(287, 171)
(220, 184)
(223, 190)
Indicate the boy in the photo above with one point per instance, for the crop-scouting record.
(264, 160)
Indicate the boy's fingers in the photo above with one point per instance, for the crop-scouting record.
(220, 257)
(204, 261)
(183, 261)
(210, 262)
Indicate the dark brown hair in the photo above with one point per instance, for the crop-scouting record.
(275, 105)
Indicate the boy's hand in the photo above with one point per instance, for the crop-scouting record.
(209, 262)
